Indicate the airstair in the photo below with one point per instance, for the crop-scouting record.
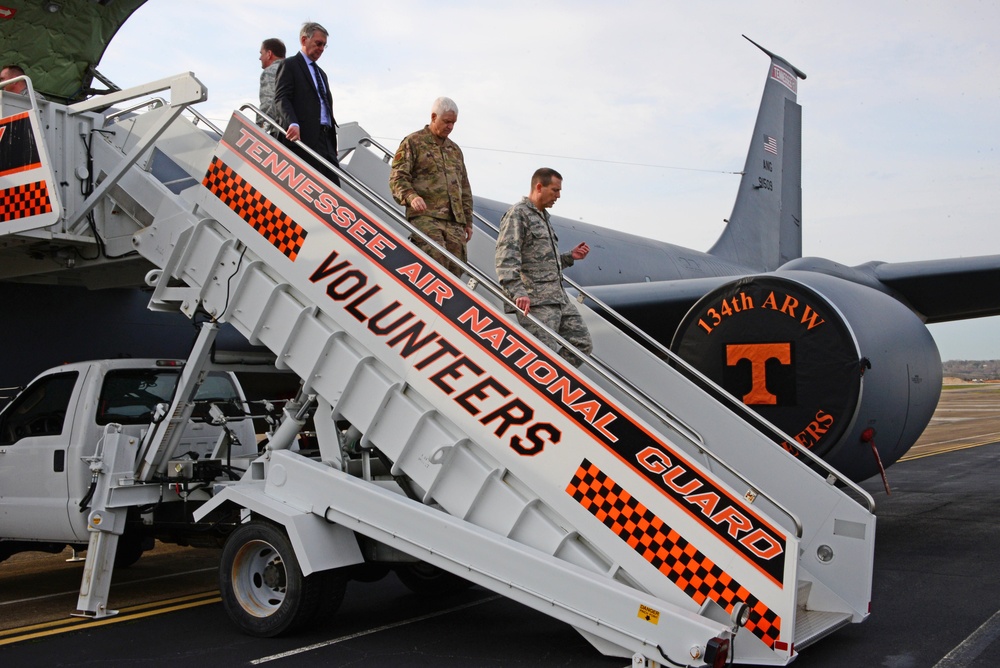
(618, 497)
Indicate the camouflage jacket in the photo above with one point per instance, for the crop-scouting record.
(527, 256)
(434, 170)
(267, 80)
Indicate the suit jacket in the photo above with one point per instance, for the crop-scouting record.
(297, 99)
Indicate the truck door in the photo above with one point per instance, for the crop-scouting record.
(34, 435)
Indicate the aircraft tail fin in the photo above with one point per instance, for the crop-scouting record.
(765, 228)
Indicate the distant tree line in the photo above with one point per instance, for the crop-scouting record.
(972, 369)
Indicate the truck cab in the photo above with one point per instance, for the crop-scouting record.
(57, 422)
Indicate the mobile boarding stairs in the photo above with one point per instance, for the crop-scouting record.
(619, 497)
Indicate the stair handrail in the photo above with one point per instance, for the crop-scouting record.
(152, 103)
(30, 92)
(662, 412)
(185, 90)
(599, 366)
(594, 363)
(204, 119)
(608, 373)
(832, 474)
(155, 103)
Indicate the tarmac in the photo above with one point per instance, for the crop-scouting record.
(935, 598)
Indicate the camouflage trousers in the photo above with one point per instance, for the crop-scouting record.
(564, 319)
(446, 233)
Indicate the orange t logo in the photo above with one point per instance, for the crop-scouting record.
(758, 354)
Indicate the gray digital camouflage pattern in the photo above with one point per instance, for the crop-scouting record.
(267, 79)
(529, 265)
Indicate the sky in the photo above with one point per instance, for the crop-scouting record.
(647, 107)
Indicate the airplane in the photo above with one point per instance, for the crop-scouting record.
(839, 358)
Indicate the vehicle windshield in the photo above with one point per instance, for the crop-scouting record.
(130, 395)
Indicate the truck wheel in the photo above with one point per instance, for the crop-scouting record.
(427, 580)
(332, 586)
(262, 586)
(130, 549)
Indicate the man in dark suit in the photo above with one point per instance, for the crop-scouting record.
(302, 97)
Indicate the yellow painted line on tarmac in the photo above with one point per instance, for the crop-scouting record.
(76, 621)
(11, 636)
(940, 451)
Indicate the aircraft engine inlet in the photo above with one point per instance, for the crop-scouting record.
(835, 365)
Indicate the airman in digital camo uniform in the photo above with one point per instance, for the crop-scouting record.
(529, 267)
(272, 52)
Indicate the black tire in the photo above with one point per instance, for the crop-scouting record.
(130, 549)
(332, 586)
(263, 589)
(427, 580)
(368, 572)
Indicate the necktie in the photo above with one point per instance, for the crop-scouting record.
(324, 111)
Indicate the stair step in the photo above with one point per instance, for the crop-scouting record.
(813, 625)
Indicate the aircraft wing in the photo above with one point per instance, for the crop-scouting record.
(59, 57)
(936, 290)
(658, 306)
(945, 290)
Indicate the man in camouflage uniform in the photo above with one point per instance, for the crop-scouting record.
(529, 267)
(272, 52)
(429, 179)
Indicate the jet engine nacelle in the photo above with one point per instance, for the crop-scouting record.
(836, 365)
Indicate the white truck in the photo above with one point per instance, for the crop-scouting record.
(53, 433)
(61, 444)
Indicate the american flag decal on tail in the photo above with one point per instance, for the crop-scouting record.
(770, 144)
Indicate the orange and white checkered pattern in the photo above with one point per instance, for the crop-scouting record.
(273, 224)
(697, 575)
(23, 201)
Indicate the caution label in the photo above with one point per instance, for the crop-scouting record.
(649, 614)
